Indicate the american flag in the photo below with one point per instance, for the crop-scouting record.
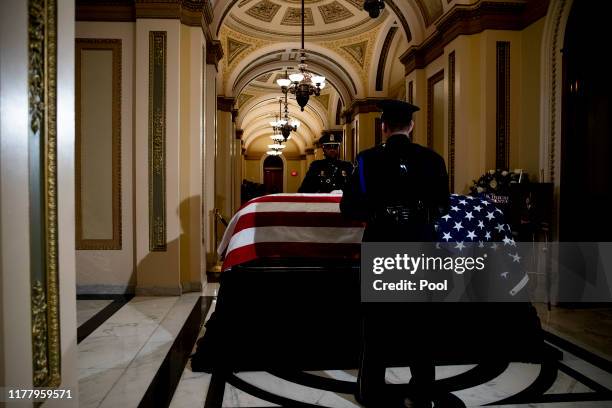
(311, 225)
(475, 224)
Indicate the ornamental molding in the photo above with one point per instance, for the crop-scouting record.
(42, 132)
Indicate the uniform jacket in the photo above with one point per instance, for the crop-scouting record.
(326, 175)
(396, 173)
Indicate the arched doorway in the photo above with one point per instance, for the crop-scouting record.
(586, 150)
(273, 174)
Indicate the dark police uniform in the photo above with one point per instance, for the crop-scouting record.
(400, 189)
(327, 175)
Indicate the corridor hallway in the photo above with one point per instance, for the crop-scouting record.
(133, 132)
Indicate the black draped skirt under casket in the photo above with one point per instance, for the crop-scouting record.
(302, 315)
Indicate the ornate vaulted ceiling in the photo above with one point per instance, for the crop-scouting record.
(261, 40)
(323, 18)
(258, 105)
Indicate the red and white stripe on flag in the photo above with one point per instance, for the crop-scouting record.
(289, 226)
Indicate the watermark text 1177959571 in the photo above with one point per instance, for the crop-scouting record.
(34, 394)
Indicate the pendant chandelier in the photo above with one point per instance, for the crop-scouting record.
(302, 84)
(283, 126)
(277, 137)
(275, 149)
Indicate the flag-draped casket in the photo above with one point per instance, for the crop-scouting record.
(290, 292)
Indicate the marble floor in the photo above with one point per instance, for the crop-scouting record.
(590, 328)
(118, 361)
(86, 309)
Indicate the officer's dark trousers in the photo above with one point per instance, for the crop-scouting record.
(395, 334)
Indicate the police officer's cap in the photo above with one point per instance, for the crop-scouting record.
(330, 139)
(396, 111)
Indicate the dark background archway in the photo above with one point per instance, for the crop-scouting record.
(273, 174)
(586, 160)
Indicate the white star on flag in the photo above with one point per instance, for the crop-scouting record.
(454, 208)
(480, 224)
(447, 236)
(469, 216)
(490, 216)
(462, 202)
(471, 235)
(458, 226)
(515, 257)
(446, 217)
(499, 228)
(488, 235)
(507, 241)
(460, 246)
(477, 208)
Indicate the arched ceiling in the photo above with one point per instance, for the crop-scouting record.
(261, 40)
(323, 19)
(258, 105)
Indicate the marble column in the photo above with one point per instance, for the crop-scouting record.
(191, 155)
(238, 174)
(347, 138)
(224, 157)
(213, 54)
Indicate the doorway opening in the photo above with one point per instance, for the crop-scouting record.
(273, 174)
(586, 168)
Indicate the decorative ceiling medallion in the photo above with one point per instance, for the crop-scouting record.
(264, 10)
(334, 12)
(356, 3)
(357, 51)
(242, 99)
(264, 78)
(293, 16)
(324, 100)
(234, 47)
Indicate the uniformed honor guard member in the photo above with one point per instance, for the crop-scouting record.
(329, 174)
(399, 189)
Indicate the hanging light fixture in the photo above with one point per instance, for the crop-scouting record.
(302, 84)
(283, 126)
(277, 137)
(276, 146)
(274, 152)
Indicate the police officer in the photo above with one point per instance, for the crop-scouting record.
(329, 174)
(398, 188)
